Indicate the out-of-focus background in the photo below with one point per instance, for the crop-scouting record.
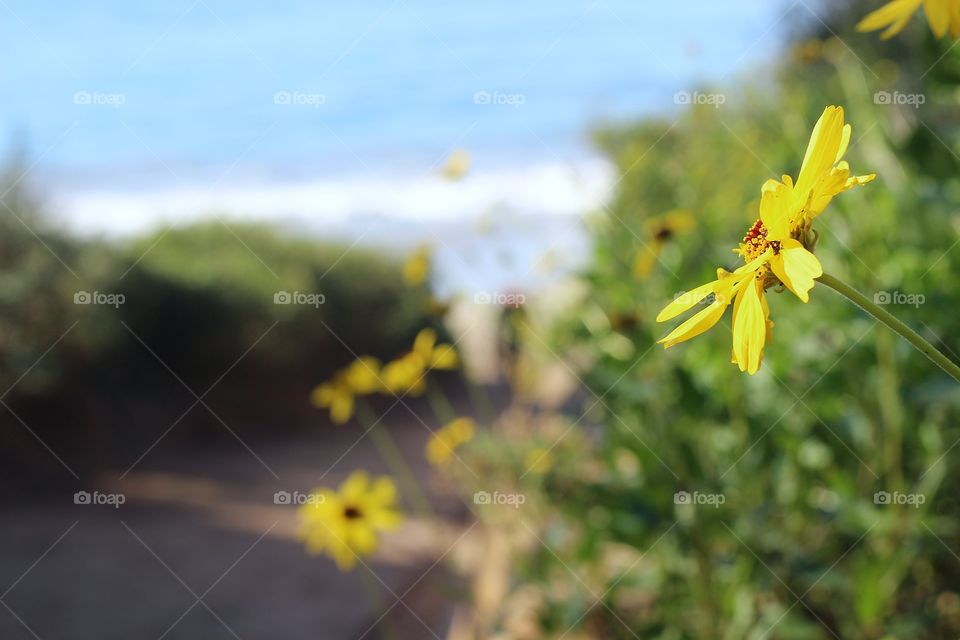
(210, 208)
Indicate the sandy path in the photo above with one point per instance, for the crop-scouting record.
(205, 526)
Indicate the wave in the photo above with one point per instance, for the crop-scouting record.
(552, 189)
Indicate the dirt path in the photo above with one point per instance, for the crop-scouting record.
(200, 550)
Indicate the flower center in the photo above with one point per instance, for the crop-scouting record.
(352, 513)
(755, 242)
(663, 234)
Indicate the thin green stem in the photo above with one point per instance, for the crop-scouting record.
(479, 398)
(393, 457)
(440, 404)
(890, 321)
(371, 587)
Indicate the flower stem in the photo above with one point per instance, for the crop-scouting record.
(890, 321)
(440, 405)
(393, 456)
(369, 580)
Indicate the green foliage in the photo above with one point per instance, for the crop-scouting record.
(199, 312)
(841, 409)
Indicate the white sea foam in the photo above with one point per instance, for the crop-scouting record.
(551, 189)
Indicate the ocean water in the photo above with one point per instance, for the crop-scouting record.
(329, 115)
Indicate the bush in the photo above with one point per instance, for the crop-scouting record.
(198, 315)
(842, 411)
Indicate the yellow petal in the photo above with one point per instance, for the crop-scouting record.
(645, 259)
(679, 221)
(362, 537)
(444, 357)
(749, 327)
(363, 375)
(438, 451)
(687, 300)
(341, 407)
(385, 519)
(896, 13)
(696, 324)
(844, 142)
(797, 268)
(355, 486)
(322, 396)
(858, 181)
(829, 185)
(423, 343)
(896, 27)
(822, 149)
(383, 492)
(775, 211)
(770, 185)
(754, 264)
(955, 20)
(938, 15)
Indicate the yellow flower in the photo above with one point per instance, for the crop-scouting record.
(337, 396)
(807, 51)
(361, 377)
(457, 165)
(408, 372)
(347, 523)
(776, 248)
(659, 231)
(436, 356)
(894, 16)
(405, 374)
(538, 460)
(440, 448)
(417, 267)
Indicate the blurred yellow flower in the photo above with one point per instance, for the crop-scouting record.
(776, 248)
(538, 460)
(346, 524)
(408, 372)
(337, 396)
(436, 356)
(417, 267)
(894, 16)
(457, 165)
(361, 377)
(405, 374)
(440, 447)
(807, 51)
(658, 232)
